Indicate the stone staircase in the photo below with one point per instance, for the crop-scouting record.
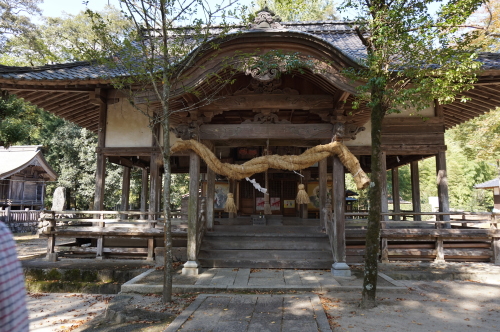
(301, 247)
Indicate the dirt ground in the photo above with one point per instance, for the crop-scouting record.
(425, 306)
(31, 244)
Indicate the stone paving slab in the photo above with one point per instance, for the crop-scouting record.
(246, 313)
(250, 280)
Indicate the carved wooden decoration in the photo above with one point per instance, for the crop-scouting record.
(266, 130)
(185, 131)
(266, 19)
(270, 87)
(266, 116)
(278, 101)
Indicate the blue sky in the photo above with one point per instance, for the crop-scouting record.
(57, 7)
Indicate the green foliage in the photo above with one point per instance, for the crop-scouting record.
(480, 137)
(296, 11)
(412, 56)
(71, 152)
(63, 39)
(14, 18)
(180, 187)
(18, 120)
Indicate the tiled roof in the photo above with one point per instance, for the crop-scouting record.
(16, 158)
(488, 184)
(337, 34)
(67, 71)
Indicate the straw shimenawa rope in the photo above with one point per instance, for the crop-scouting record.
(291, 163)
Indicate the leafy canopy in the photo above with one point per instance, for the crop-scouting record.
(14, 17)
(63, 39)
(301, 10)
(415, 55)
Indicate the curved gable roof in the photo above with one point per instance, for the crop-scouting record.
(17, 158)
(66, 89)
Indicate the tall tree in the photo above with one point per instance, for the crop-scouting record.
(63, 39)
(14, 17)
(487, 20)
(167, 38)
(412, 59)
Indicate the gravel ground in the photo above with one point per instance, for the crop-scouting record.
(426, 306)
(58, 312)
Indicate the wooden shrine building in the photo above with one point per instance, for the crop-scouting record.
(23, 176)
(258, 114)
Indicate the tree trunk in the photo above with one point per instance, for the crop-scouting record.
(375, 197)
(167, 278)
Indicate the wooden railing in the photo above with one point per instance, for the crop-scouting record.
(464, 231)
(20, 221)
(20, 215)
(99, 225)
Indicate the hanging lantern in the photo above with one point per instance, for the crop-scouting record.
(230, 206)
(302, 197)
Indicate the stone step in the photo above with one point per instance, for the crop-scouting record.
(266, 254)
(267, 264)
(270, 230)
(265, 243)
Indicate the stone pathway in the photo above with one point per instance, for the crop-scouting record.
(252, 313)
(243, 279)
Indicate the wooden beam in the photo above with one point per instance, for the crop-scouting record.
(210, 198)
(101, 160)
(339, 255)
(323, 187)
(249, 102)
(268, 131)
(395, 192)
(67, 100)
(55, 88)
(485, 94)
(132, 151)
(442, 182)
(194, 178)
(144, 192)
(263, 142)
(47, 96)
(415, 189)
(125, 190)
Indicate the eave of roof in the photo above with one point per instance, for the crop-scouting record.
(16, 159)
(491, 184)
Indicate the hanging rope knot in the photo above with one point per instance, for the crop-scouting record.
(262, 163)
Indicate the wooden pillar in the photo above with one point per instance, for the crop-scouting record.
(144, 192)
(191, 267)
(51, 241)
(415, 189)
(339, 267)
(125, 191)
(395, 193)
(154, 179)
(385, 201)
(232, 189)
(323, 187)
(210, 198)
(442, 183)
(384, 250)
(97, 97)
(304, 213)
(154, 173)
